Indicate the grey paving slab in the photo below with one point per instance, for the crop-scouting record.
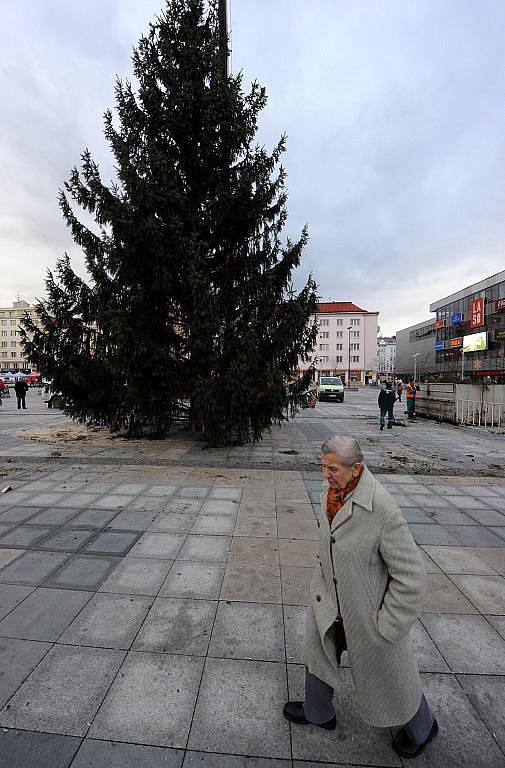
(416, 515)
(8, 555)
(296, 584)
(212, 549)
(32, 568)
(468, 643)
(226, 720)
(162, 546)
(63, 693)
(23, 749)
(487, 694)
(197, 580)
(18, 658)
(4, 527)
(134, 576)
(24, 536)
(43, 499)
(494, 557)
(93, 518)
(110, 754)
(133, 520)
(78, 500)
(206, 760)
(498, 622)
(53, 516)
(17, 514)
(171, 522)
(432, 534)
(458, 560)
(487, 593)
(129, 489)
(146, 504)
(44, 614)
(474, 536)
(467, 502)
(86, 572)
(499, 533)
(220, 507)
(442, 596)
(108, 621)
(250, 549)
(256, 526)
(354, 741)
(112, 501)
(66, 539)
(487, 516)
(229, 493)
(184, 506)
(112, 543)
(14, 498)
(11, 596)
(165, 491)
(450, 517)
(252, 582)
(463, 740)
(177, 625)
(294, 627)
(429, 658)
(248, 631)
(193, 492)
(152, 701)
(214, 524)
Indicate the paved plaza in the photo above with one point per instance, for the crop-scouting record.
(153, 593)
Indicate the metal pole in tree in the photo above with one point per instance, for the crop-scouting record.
(223, 34)
(349, 357)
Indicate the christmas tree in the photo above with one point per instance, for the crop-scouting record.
(188, 309)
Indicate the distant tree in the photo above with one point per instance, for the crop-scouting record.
(188, 298)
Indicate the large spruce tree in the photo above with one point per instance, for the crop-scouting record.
(189, 303)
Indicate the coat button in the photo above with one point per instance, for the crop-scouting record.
(318, 598)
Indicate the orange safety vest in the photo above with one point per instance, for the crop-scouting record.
(410, 391)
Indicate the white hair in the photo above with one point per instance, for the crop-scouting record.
(346, 447)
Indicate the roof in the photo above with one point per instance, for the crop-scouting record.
(487, 282)
(341, 307)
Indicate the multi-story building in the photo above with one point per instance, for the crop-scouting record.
(346, 344)
(470, 330)
(415, 350)
(386, 355)
(12, 357)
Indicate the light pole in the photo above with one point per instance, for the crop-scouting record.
(462, 364)
(349, 357)
(415, 364)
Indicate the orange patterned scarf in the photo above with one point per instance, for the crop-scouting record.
(335, 498)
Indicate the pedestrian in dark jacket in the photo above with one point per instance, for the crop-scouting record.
(387, 399)
(399, 390)
(21, 388)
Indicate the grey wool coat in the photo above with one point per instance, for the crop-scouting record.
(370, 559)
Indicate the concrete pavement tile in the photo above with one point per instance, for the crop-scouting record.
(66, 540)
(44, 615)
(20, 749)
(487, 516)
(129, 489)
(449, 517)
(428, 501)
(220, 507)
(32, 568)
(8, 555)
(467, 643)
(111, 754)
(467, 502)
(42, 499)
(498, 622)
(86, 572)
(429, 658)
(161, 546)
(152, 701)
(429, 565)
(206, 760)
(184, 506)
(213, 524)
(487, 593)
(487, 694)
(112, 543)
(177, 625)
(14, 498)
(24, 536)
(133, 520)
(53, 516)
(18, 658)
(303, 764)
(93, 518)
(78, 500)
(494, 557)
(474, 536)
(250, 549)
(294, 627)
(164, 491)
(463, 740)
(228, 720)
(296, 584)
(193, 492)
(257, 509)
(432, 534)
(416, 515)
(441, 596)
(252, 582)
(458, 560)
(354, 741)
(298, 552)
(499, 532)
(197, 580)
(227, 493)
(262, 527)
(63, 693)
(18, 514)
(298, 529)
(171, 522)
(212, 549)
(135, 576)
(108, 621)
(10, 596)
(146, 504)
(248, 631)
(111, 501)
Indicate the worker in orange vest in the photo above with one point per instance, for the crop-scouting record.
(410, 394)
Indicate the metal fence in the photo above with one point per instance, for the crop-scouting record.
(480, 414)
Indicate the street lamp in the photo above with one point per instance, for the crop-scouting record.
(462, 364)
(415, 364)
(349, 327)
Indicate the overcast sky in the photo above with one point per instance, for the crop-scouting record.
(394, 114)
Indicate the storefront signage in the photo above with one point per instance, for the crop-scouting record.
(439, 345)
(500, 335)
(457, 342)
(439, 324)
(500, 305)
(455, 319)
(477, 313)
(475, 342)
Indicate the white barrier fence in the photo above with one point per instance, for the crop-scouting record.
(480, 414)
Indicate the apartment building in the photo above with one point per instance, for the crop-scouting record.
(12, 357)
(346, 344)
(386, 355)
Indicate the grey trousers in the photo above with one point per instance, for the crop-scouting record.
(318, 708)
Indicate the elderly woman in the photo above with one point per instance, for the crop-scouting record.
(365, 597)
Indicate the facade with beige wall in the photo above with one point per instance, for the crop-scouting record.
(12, 356)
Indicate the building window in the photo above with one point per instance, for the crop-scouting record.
(355, 358)
(324, 335)
(14, 343)
(340, 321)
(339, 346)
(338, 358)
(339, 334)
(14, 354)
(355, 347)
(354, 320)
(4, 333)
(4, 343)
(324, 321)
(324, 359)
(324, 347)
(355, 334)
(4, 354)
(4, 322)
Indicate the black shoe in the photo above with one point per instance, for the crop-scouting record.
(405, 747)
(382, 427)
(389, 426)
(293, 710)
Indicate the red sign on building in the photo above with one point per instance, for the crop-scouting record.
(439, 324)
(500, 305)
(477, 313)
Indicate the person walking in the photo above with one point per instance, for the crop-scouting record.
(21, 388)
(365, 597)
(399, 390)
(410, 394)
(386, 400)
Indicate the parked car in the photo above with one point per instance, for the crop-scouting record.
(330, 388)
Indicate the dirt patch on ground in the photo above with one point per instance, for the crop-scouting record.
(68, 434)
